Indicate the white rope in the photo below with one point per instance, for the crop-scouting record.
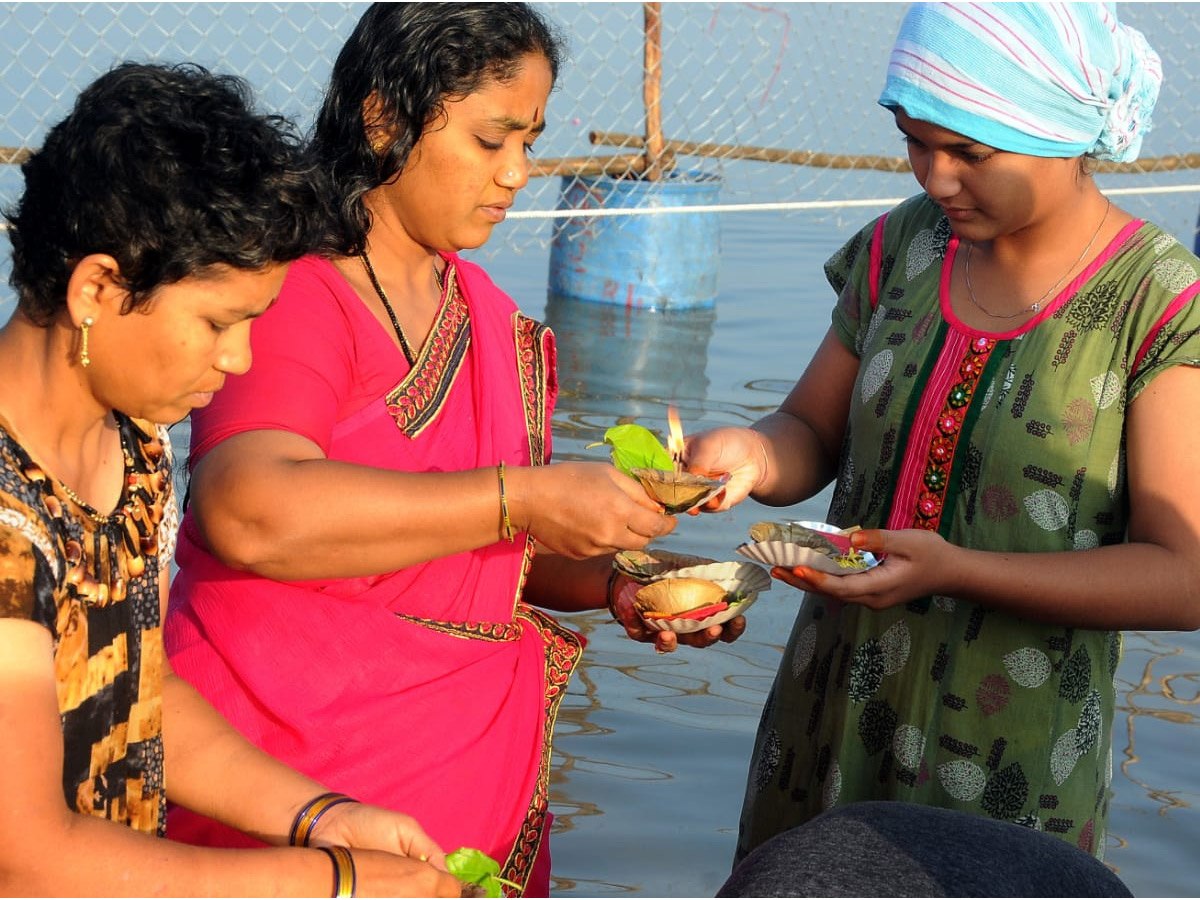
(887, 202)
(1165, 189)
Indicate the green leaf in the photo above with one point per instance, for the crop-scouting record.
(636, 447)
(476, 867)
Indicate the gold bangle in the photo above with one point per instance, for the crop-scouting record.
(506, 529)
(345, 879)
(609, 594)
(306, 819)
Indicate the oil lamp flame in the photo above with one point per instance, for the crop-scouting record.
(675, 438)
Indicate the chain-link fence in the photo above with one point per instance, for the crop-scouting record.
(778, 100)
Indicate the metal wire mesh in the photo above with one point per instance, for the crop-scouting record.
(747, 77)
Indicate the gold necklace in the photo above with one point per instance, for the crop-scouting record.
(438, 277)
(1037, 304)
(86, 508)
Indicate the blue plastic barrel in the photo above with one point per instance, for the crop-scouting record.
(664, 261)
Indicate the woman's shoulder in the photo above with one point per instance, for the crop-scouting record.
(1157, 280)
(914, 215)
(476, 282)
(1162, 243)
(20, 475)
(888, 235)
(1144, 248)
(897, 226)
(27, 513)
(315, 300)
(313, 275)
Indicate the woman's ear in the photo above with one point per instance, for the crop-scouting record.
(378, 135)
(94, 289)
(372, 110)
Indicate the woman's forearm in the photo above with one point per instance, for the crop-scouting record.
(1124, 586)
(795, 462)
(213, 770)
(271, 504)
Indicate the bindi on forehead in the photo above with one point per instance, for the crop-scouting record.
(536, 124)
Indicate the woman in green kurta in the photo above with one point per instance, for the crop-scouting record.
(1002, 414)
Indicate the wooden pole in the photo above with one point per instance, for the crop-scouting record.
(1173, 163)
(616, 166)
(652, 91)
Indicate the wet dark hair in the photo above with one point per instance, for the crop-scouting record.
(412, 57)
(168, 170)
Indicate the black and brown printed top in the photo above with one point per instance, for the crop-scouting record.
(93, 581)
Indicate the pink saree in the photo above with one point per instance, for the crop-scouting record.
(432, 690)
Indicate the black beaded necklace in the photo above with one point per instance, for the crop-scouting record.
(404, 345)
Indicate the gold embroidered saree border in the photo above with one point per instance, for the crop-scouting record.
(416, 400)
(564, 650)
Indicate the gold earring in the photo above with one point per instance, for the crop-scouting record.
(378, 146)
(84, 359)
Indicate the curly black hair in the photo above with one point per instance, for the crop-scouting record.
(412, 57)
(169, 170)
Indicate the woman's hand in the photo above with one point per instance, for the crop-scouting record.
(410, 864)
(915, 563)
(667, 641)
(792, 453)
(582, 509)
(741, 453)
(381, 874)
(375, 828)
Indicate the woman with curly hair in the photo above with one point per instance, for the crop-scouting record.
(157, 221)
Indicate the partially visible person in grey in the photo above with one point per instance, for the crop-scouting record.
(891, 849)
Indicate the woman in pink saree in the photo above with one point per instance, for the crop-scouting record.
(373, 512)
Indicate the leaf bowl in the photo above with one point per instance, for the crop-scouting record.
(645, 566)
(816, 545)
(678, 491)
(694, 587)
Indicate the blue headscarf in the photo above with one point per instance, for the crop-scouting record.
(1043, 79)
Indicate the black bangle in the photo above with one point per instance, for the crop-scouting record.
(609, 594)
(345, 878)
(306, 819)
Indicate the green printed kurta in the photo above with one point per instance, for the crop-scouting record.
(1006, 441)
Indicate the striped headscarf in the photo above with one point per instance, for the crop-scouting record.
(1043, 79)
